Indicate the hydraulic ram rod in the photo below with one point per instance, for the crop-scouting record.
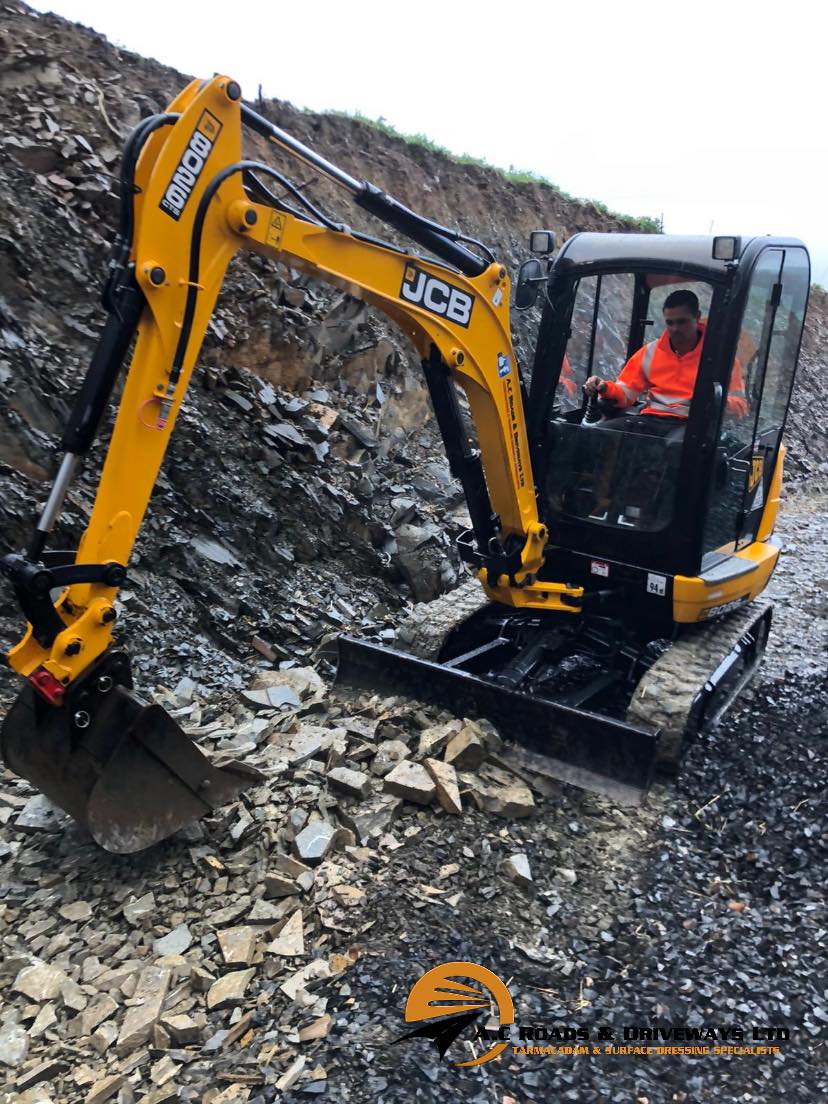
(440, 240)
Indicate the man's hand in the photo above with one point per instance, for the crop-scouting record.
(595, 386)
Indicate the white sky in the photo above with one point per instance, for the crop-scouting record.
(710, 113)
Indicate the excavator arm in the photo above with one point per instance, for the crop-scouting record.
(190, 201)
(192, 212)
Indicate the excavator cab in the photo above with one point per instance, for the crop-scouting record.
(670, 495)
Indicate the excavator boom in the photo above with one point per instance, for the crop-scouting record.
(190, 201)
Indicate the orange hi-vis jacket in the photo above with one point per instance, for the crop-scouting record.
(669, 379)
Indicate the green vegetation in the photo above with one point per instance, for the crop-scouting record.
(515, 176)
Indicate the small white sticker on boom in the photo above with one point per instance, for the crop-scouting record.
(657, 584)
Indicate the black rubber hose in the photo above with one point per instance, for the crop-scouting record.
(92, 399)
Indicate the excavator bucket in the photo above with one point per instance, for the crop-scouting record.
(119, 766)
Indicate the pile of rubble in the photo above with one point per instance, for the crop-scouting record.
(212, 977)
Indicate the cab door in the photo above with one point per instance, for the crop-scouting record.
(767, 351)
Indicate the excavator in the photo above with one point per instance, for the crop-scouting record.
(613, 602)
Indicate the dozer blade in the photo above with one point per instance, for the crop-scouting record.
(596, 753)
(119, 766)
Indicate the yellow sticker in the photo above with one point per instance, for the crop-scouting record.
(757, 466)
(209, 125)
(275, 230)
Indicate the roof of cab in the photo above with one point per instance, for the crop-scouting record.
(662, 251)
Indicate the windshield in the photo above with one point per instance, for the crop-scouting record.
(623, 471)
(604, 324)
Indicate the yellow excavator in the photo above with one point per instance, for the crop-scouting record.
(611, 610)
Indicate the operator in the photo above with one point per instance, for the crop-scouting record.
(666, 368)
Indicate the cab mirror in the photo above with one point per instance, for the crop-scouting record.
(726, 249)
(530, 277)
(542, 241)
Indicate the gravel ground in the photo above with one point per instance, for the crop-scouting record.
(799, 589)
(704, 908)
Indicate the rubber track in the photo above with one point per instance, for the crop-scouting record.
(423, 632)
(665, 695)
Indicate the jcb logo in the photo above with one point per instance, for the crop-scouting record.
(189, 168)
(757, 470)
(436, 295)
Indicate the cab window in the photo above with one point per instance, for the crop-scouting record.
(748, 447)
(599, 334)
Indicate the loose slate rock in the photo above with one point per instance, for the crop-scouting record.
(351, 782)
(513, 802)
(138, 911)
(238, 945)
(45, 1019)
(517, 868)
(313, 842)
(273, 697)
(433, 740)
(445, 781)
(105, 1089)
(40, 815)
(291, 1074)
(303, 680)
(176, 942)
(44, 1071)
(73, 996)
(169, 1091)
(14, 1045)
(201, 980)
(286, 864)
(77, 911)
(465, 751)
(101, 1009)
(412, 782)
(290, 942)
(163, 1070)
(276, 885)
(389, 753)
(151, 990)
(316, 1030)
(104, 1036)
(348, 896)
(40, 982)
(230, 989)
(263, 912)
(182, 1029)
(306, 745)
